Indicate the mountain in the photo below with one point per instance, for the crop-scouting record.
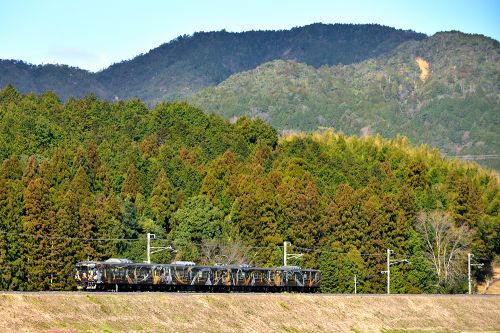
(188, 63)
(442, 91)
(361, 79)
(65, 80)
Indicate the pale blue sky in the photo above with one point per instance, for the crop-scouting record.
(92, 34)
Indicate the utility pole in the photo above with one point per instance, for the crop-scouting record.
(148, 247)
(469, 265)
(287, 256)
(388, 271)
(469, 256)
(51, 265)
(284, 253)
(150, 236)
(355, 285)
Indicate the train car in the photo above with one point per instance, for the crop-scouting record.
(125, 275)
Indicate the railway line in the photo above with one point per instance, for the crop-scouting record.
(243, 294)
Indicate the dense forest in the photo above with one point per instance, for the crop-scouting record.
(87, 179)
(442, 91)
(188, 63)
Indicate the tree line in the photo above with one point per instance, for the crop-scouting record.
(87, 179)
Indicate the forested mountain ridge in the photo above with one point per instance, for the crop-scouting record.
(88, 179)
(188, 63)
(65, 80)
(442, 91)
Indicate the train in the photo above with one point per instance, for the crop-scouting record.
(125, 275)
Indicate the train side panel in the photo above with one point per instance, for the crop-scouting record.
(134, 276)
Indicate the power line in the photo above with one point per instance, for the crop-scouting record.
(164, 239)
(120, 239)
(70, 238)
(474, 157)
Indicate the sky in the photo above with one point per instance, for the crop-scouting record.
(93, 34)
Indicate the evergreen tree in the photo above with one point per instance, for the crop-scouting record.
(58, 170)
(5, 269)
(131, 187)
(196, 221)
(216, 182)
(255, 217)
(99, 178)
(30, 171)
(468, 204)
(11, 168)
(338, 270)
(38, 222)
(300, 208)
(108, 225)
(11, 209)
(162, 201)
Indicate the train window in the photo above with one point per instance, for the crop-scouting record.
(204, 274)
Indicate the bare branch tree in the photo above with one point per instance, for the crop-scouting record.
(445, 244)
(214, 251)
(209, 251)
(235, 253)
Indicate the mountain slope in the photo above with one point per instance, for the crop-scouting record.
(189, 63)
(65, 80)
(443, 91)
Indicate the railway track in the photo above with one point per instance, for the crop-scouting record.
(185, 294)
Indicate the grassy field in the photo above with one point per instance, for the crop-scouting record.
(176, 312)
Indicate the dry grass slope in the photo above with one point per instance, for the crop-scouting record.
(157, 312)
(492, 286)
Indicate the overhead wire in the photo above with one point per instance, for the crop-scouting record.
(98, 239)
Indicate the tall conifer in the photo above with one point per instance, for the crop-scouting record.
(38, 223)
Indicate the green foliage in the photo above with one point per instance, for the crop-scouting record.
(38, 220)
(202, 184)
(338, 270)
(130, 187)
(384, 95)
(256, 131)
(162, 201)
(196, 221)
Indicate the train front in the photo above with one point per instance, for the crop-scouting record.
(87, 276)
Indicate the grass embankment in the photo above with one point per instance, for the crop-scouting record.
(160, 312)
(491, 287)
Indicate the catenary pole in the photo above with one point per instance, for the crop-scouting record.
(388, 271)
(469, 257)
(148, 249)
(284, 253)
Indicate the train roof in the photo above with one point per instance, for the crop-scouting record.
(127, 262)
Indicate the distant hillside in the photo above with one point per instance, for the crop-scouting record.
(189, 63)
(442, 91)
(65, 80)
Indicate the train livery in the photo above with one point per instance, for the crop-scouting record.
(124, 275)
